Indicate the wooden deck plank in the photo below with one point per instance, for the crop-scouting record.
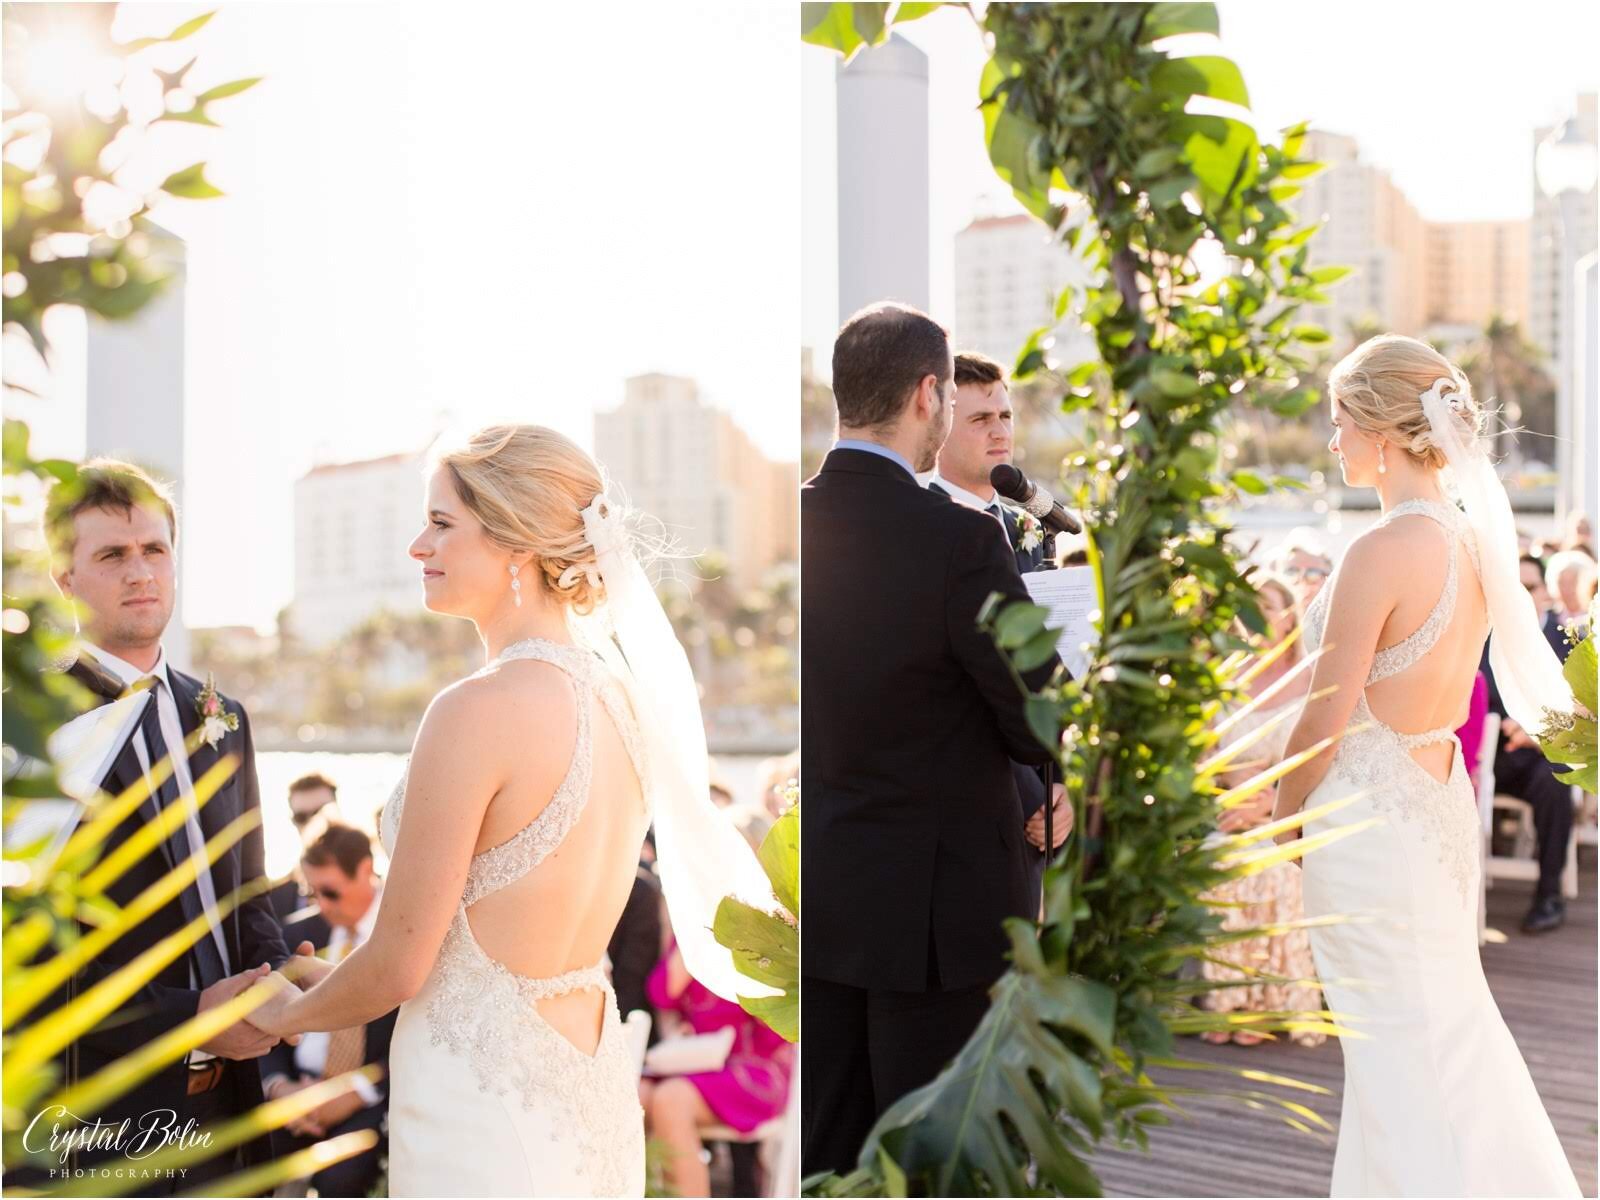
(1546, 990)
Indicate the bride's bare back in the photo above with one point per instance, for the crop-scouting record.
(560, 915)
(1433, 690)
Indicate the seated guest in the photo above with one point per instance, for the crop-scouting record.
(1271, 897)
(1303, 564)
(635, 945)
(751, 1088)
(1470, 735)
(1578, 535)
(338, 866)
(1521, 770)
(310, 797)
(1564, 578)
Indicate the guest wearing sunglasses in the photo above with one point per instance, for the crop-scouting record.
(338, 867)
(313, 803)
(1304, 564)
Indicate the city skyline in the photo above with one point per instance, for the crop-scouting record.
(1461, 154)
(339, 295)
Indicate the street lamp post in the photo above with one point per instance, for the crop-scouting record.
(1565, 167)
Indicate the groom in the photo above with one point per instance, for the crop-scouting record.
(981, 438)
(910, 718)
(113, 541)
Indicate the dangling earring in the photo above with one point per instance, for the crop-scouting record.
(1382, 470)
(516, 586)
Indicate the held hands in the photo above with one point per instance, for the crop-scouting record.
(305, 969)
(272, 1015)
(326, 1116)
(1516, 736)
(243, 1039)
(1062, 814)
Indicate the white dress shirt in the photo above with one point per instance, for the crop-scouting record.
(961, 496)
(172, 732)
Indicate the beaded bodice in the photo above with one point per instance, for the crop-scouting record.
(1373, 754)
(487, 1013)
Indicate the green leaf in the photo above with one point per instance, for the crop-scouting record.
(956, 1135)
(1017, 623)
(1175, 385)
(1245, 481)
(1203, 75)
(1156, 162)
(223, 90)
(1037, 651)
(1580, 671)
(780, 857)
(190, 184)
(1312, 335)
(1221, 151)
(1044, 720)
(764, 947)
(1169, 20)
(188, 28)
(1326, 275)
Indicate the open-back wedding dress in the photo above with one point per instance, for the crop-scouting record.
(1437, 1099)
(487, 1098)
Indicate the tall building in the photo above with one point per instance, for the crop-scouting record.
(1476, 270)
(1008, 272)
(1371, 227)
(883, 177)
(352, 525)
(691, 467)
(1544, 267)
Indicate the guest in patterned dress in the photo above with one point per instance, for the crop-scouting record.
(1273, 896)
(751, 1088)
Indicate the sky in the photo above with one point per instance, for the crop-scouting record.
(452, 215)
(1445, 96)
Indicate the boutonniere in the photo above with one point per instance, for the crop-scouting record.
(215, 721)
(1032, 531)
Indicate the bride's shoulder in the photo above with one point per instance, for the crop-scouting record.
(1375, 556)
(498, 706)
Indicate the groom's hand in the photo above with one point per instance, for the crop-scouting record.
(240, 1040)
(305, 968)
(1062, 820)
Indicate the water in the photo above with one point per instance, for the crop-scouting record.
(365, 781)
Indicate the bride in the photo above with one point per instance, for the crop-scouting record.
(514, 837)
(1437, 1099)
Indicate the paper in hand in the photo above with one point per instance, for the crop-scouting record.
(1069, 594)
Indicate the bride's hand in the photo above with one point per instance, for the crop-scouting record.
(305, 969)
(274, 1014)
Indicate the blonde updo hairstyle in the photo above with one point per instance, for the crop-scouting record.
(1380, 384)
(528, 486)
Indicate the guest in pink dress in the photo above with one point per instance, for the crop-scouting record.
(1470, 735)
(751, 1088)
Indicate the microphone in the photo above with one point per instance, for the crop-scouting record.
(1018, 488)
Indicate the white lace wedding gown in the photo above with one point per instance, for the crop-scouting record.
(1437, 1099)
(486, 1098)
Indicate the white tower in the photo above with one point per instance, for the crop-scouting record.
(134, 396)
(883, 177)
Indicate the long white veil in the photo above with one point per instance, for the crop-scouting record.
(1526, 669)
(700, 855)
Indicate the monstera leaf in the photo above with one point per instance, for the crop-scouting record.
(766, 945)
(1002, 1102)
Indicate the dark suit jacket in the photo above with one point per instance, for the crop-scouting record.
(308, 925)
(250, 930)
(1027, 560)
(1031, 792)
(909, 721)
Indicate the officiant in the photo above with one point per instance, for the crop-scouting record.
(910, 719)
(982, 435)
(113, 539)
